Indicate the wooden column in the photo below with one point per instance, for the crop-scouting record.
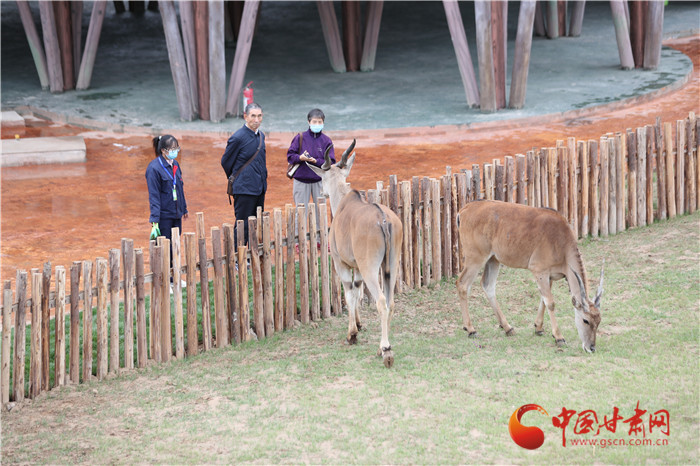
(53, 53)
(552, 19)
(240, 59)
(35, 45)
(331, 35)
(484, 45)
(464, 59)
(369, 47)
(189, 46)
(91, 42)
(653, 34)
(201, 38)
(217, 62)
(176, 55)
(352, 48)
(65, 41)
(76, 11)
(521, 61)
(637, 31)
(576, 21)
(624, 46)
(499, 35)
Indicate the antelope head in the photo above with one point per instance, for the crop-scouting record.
(587, 313)
(333, 176)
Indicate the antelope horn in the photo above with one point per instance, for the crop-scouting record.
(344, 158)
(327, 164)
(584, 297)
(599, 294)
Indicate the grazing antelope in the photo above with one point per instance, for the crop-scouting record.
(365, 239)
(493, 233)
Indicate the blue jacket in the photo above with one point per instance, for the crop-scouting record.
(159, 177)
(240, 148)
(315, 144)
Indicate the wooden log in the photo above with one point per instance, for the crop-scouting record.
(114, 310)
(446, 222)
(427, 231)
(313, 265)
(436, 230)
(604, 187)
(178, 65)
(612, 186)
(166, 332)
(351, 34)
(416, 233)
(488, 181)
(521, 60)
(520, 185)
(594, 202)
(45, 321)
(53, 53)
(641, 176)
(204, 286)
(191, 260)
(476, 182)
(509, 179)
(563, 184)
(279, 271)
(87, 321)
(141, 335)
(291, 307)
(624, 46)
(576, 19)
(636, 10)
(151, 313)
(201, 40)
(544, 177)
(102, 319)
(258, 306)
(484, 47)
(371, 39)
(539, 27)
(177, 294)
(653, 35)
(650, 174)
(331, 35)
(189, 46)
(35, 45)
(561, 17)
(240, 59)
(325, 275)
(632, 167)
(217, 61)
(303, 265)
(243, 306)
(60, 326)
(6, 334)
(499, 37)
(35, 361)
(268, 304)
(234, 326)
(585, 216)
(18, 366)
(619, 144)
(74, 348)
(461, 47)
(532, 175)
(65, 42)
(552, 19)
(406, 249)
(573, 184)
(127, 251)
(662, 213)
(87, 63)
(670, 171)
(552, 182)
(156, 305)
(454, 226)
(692, 166)
(221, 324)
(680, 167)
(499, 181)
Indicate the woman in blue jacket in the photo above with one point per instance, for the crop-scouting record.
(166, 192)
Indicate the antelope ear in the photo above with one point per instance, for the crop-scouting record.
(576, 303)
(315, 169)
(350, 161)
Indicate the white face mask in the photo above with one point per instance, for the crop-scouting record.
(316, 128)
(172, 154)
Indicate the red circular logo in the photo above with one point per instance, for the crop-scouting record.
(526, 436)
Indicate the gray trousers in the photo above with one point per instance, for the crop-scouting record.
(302, 192)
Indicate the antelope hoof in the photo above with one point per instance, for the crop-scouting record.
(511, 332)
(359, 327)
(352, 339)
(388, 357)
(561, 343)
(539, 333)
(471, 334)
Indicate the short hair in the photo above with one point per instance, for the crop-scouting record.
(166, 141)
(250, 107)
(316, 113)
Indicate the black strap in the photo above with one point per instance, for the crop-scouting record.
(257, 151)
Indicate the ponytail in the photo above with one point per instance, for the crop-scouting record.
(163, 142)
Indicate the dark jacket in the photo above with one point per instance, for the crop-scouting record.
(240, 148)
(159, 178)
(315, 144)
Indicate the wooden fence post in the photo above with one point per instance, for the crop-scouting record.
(128, 260)
(619, 144)
(303, 265)
(234, 326)
(641, 177)
(437, 230)
(279, 271)
(156, 306)
(446, 222)
(416, 243)
(166, 333)
(102, 277)
(20, 336)
(75, 270)
(574, 185)
(584, 218)
(670, 172)
(6, 331)
(313, 265)
(268, 304)
(427, 231)
(219, 304)
(563, 182)
(612, 185)
(325, 272)
(650, 174)
(406, 250)
(257, 277)
(604, 187)
(114, 310)
(87, 321)
(35, 377)
(204, 281)
(660, 171)
(141, 335)
(632, 167)
(692, 166)
(45, 322)
(60, 326)
(680, 167)
(177, 294)
(291, 308)
(594, 202)
(244, 310)
(191, 260)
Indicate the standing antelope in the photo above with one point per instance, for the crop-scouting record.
(365, 239)
(493, 233)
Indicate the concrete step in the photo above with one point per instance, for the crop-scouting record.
(34, 151)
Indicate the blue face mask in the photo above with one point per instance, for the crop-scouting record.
(316, 128)
(172, 154)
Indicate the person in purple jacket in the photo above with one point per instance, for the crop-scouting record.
(309, 146)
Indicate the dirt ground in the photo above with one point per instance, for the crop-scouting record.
(64, 213)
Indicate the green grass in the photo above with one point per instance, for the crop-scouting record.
(306, 397)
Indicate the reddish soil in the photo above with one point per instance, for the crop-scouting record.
(64, 213)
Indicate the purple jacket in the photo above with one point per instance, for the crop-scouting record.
(315, 145)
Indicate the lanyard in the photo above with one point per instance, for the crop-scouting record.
(171, 176)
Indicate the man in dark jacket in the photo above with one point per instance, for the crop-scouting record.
(245, 158)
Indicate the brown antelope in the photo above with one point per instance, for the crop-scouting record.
(493, 233)
(365, 239)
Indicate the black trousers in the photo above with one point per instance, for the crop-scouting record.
(245, 206)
